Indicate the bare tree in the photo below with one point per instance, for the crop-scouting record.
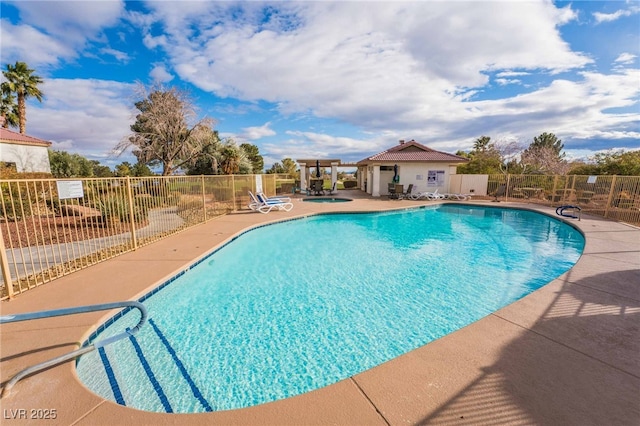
(509, 151)
(162, 134)
(544, 160)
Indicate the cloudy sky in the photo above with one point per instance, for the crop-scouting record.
(336, 79)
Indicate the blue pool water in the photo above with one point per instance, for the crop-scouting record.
(295, 306)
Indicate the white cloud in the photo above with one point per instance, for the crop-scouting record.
(88, 116)
(253, 133)
(506, 81)
(159, 74)
(71, 21)
(610, 17)
(334, 64)
(389, 70)
(27, 44)
(120, 56)
(625, 58)
(504, 74)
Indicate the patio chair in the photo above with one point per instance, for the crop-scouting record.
(318, 188)
(265, 205)
(407, 193)
(398, 192)
(333, 188)
(500, 192)
(391, 189)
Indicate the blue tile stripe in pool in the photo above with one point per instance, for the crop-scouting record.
(181, 367)
(111, 376)
(152, 377)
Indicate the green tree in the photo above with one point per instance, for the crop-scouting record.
(123, 169)
(100, 170)
(621, 162)
(484, 158)
(208, 162)
(548, 140)
(544, 156)
(233, 159)
(290, 167)
(22, 82)
(8, 107)
(253, 155)
(275, 168)
(162, 135)
(65, 165)
(140, 170)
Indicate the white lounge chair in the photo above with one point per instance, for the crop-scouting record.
(265, 205)
(255, 202)
(276, 198)
(431, 196)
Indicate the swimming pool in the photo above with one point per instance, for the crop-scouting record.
(291, 307)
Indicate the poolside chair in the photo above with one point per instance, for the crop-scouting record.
(265, 205)
(258, 205)
(318, 187)
(500, 192)
(333, 188)
(276, 198)
(407, 193)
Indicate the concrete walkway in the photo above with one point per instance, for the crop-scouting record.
(568, 354)
(30, 260)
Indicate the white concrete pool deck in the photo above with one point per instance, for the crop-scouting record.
(568, 354)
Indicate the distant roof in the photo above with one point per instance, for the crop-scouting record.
(413, 151)
(9, 136)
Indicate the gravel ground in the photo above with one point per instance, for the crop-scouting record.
(54, 230)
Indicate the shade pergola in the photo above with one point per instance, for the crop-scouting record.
(307, 164)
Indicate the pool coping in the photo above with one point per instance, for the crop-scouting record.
(567, 353)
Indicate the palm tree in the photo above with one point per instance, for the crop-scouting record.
(22, 81)
(8, 107)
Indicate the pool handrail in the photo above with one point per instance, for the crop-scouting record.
(78, 352)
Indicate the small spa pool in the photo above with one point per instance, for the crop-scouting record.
(290, 307)
(327, 200)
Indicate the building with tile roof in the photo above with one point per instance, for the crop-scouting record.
(26, 153)
(407, 163)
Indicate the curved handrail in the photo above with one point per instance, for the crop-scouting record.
(560, 211)
(78, 352)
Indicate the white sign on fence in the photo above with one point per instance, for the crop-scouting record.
(259, 184)
(69, 189)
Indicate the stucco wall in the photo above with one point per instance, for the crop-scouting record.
(27, 158)
(418, 173)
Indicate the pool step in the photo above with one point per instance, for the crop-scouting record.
(164, 390)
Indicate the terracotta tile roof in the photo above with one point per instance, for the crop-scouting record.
(413, 151)
(9, 136)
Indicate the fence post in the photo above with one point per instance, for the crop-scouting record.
(132, 221)
(274, 184)
(610, 197)
(6, 272)
(204, 199)
(555, 188)
(506, 189)
(233, 193)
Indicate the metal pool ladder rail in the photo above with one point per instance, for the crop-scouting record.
(83, 350)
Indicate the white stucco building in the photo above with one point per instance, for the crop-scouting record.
(425, 168)
(26, 153)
